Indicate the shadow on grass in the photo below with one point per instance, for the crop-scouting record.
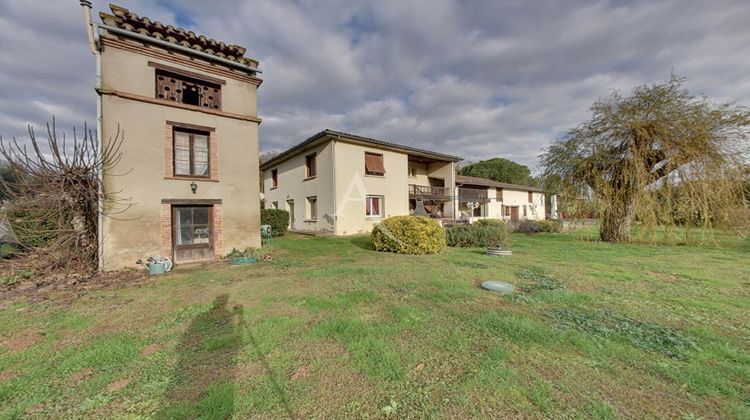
(203, 382)
(276, 386)
(362, 242)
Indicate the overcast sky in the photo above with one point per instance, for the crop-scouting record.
(474, 78)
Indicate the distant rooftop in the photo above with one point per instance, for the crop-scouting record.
(353, 138)
(125, 19)
(473, 180)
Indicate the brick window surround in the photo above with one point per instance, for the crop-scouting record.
(213, 152)
(217, 235)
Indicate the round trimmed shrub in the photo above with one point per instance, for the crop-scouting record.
(408, 235)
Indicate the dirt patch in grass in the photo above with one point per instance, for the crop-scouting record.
(150, 349)
(301, 372)
(118, 385)
(22, 342)
(7, 375)
(81, 375)
(35, 409)
(65, 288)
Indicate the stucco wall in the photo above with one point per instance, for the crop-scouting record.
(293, 185)
(128, 71)
(495, 207)
(140, 174)
(534, 211)
(342, 186)
(353, 185)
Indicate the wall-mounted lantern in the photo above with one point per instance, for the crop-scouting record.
(193, 187)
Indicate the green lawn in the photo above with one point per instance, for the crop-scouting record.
(330, 328)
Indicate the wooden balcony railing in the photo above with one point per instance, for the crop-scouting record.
(466, 195)
(429, 193)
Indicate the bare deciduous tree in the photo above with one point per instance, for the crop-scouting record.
(53, 194)
(659, 157)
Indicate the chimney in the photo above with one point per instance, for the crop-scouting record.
(86, 4)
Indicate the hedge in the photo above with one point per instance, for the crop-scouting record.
(278, 219)
(408, 235)
(539, 226)
(483, 233)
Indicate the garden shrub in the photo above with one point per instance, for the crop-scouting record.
(408, 235)
(483, 233)
(278, 219)
(537, 226)
(529, 226)
(551, 226)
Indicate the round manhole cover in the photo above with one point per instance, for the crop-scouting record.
(498, 286)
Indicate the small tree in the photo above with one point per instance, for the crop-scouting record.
(500, 170)
(660, 156)
(53, 193)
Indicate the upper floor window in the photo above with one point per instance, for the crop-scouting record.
(191, 155)
(187, 90)
(274, 178)
(374, 164)
(311, 168)
(412, 172)
(531, 197)
(499, 193)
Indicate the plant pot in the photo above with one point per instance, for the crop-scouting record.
(496, 251)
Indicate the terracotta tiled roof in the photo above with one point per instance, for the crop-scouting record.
(125, 19)
(473, 180)
(327, 133)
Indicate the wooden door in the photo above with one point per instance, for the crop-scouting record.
(514, 214)
(192, 233)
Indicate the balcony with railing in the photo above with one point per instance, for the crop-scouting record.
(466, 195)
(426, 192)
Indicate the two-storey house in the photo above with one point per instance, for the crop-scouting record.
(341, 183)
(187, 180)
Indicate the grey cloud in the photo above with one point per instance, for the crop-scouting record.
(477, 79)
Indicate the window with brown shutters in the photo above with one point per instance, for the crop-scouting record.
(187, 90)
(274, 178)
(374, 164)
(531, 197)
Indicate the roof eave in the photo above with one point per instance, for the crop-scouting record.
(337, 135)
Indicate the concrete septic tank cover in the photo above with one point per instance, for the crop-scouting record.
(499, 286)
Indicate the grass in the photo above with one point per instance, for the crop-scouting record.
(330, 328)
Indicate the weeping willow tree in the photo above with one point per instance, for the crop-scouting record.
(658, 157)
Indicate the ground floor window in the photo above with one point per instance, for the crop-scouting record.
(374, 206)
(312, 208)
(477, 211)
(192, 226)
